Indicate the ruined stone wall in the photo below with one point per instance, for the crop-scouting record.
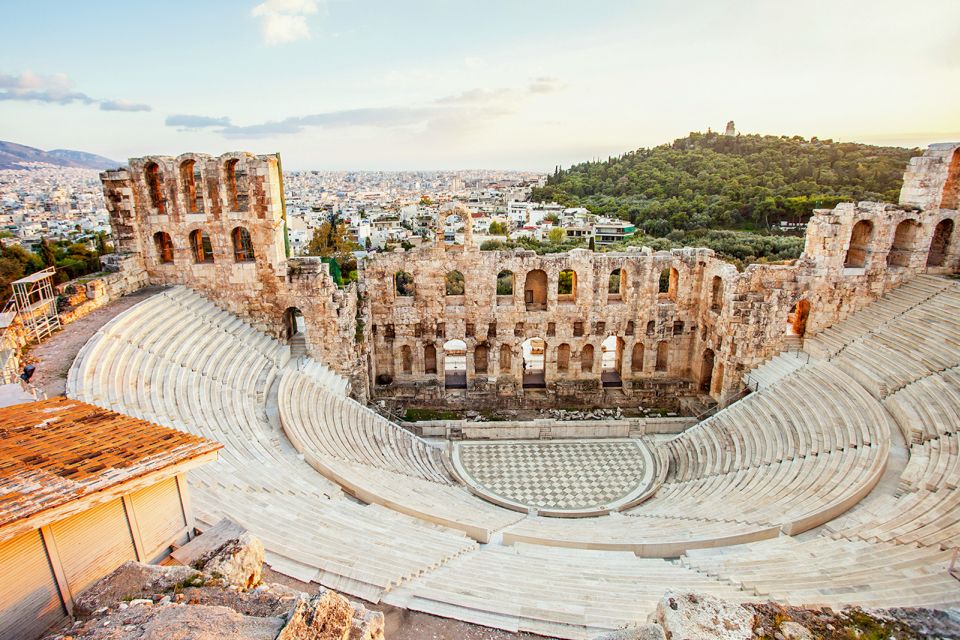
(716, 322)
(206, 207)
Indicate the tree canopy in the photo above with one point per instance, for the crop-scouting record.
(713, 181)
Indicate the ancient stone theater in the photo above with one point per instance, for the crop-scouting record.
(818, 462)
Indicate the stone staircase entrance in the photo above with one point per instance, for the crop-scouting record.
(298, 346)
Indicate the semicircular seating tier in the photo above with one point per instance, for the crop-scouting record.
(800, 452)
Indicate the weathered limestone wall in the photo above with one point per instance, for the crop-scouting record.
(222, 198)
(686, 322)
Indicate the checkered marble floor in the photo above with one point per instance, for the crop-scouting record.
(556, 474)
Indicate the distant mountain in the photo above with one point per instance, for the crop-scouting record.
(13, 156)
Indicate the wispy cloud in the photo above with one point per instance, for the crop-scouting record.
(448, 114)
(123, 105)
(56, 89)
(284, 21)
(187, 122)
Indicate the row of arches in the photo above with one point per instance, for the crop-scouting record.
(903, 245)
(535, 286)
(533, 353)
(190, 176)
(201, 248)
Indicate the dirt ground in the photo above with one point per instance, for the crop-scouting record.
(54, 357)
(403, 624)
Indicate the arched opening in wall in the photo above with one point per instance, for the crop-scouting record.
(860, 239)
(455, 364)
(940, 243)
(506, 359)
(453, 284)
(534, 353)
(164, 245)
(797, 318)
(586, 359)
(663, 354)
(706, 370)
(403, 286)
(406, 359)
(151, 173)
(429, 359)
(188, 184)
(663, 284)
(242, 245)
(716, 294)
(636, 359)
(616, 285)
(235, 179)
(951, 188)
(567, 286)
(904, 243)
(294, 326)
(201, 247)
(563, 357)
(481, 359)
(505, 287)
(611, 361)
(535, 290)
(651, 327)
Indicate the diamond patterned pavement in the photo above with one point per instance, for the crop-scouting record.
(556, 474)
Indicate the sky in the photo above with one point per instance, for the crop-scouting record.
(486, 84)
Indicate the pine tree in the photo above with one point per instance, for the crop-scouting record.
(46, 254)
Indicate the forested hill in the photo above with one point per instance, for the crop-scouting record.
(709, 180)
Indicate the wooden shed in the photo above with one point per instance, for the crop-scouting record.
(82, 490)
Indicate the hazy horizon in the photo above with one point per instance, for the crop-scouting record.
(342, 85)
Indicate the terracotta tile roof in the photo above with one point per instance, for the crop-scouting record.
(56, 450)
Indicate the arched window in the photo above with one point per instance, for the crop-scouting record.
(630, 328)
(201, 247)
(615, 283)
(663, 286)
(481, 358)
(505, 283)
(164, 246)
(860, 239)
(236, 185)
(506, 359)
(429, 359)
(294, 324)
(940, 243)
(716, 294)
(636, 358)
(454, 283)
(663, 353)
(406, 359)
(151, 174)
(535, 290)
(188, 184)
(242, 245)
(706, 370)
(403, 284)
(563, 357)
(567, 285)
(904, 243)
(651, 327)
(586, 358)
(951, 188)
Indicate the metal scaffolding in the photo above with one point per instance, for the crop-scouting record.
(36, 303)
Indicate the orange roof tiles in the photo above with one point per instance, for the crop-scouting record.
(56, 450)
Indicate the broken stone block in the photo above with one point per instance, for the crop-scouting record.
(330, 616)
(695, 616)
(132, 581)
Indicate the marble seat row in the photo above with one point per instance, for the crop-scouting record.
(774, 370)
(212, 381)
(565, 593)
(828, 343)
(815, 410)
(823, 571)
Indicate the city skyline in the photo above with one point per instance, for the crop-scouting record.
(345, 85)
